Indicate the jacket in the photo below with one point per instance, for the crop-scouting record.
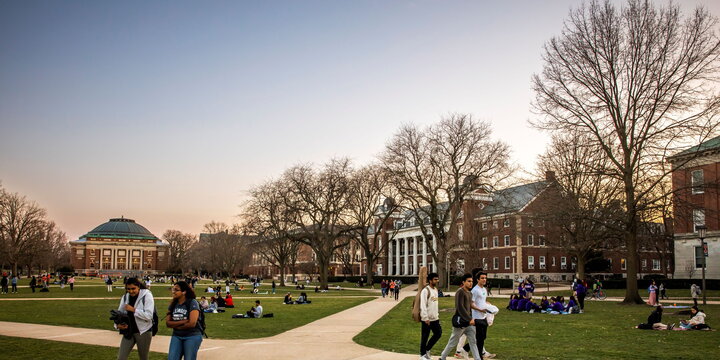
(429, 304)
(144, 309)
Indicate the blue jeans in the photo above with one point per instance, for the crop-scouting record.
(184, 347)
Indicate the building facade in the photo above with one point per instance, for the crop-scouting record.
(696, 202)
(119, 246)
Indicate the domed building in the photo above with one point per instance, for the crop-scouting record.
(119, 246)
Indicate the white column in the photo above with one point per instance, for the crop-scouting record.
(390, 257)
(397, 256)
(406, 242)
(416, 253)
(433, 262)
(424, 253)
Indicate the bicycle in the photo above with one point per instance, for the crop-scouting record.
(599, 294)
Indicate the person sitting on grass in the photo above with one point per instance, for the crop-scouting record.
(654, 321)
(558, 305)
(522, 303)
(256, 311)
(544, 303)
(220, 301)
(288, 299)
(204, 303)
(531, 306)
(212, 306)
(303, 299)
(570, 307)
(697, 322)
(229, 301)
(512, 305)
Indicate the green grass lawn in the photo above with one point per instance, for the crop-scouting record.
(95, 313)
(15, 348)
(604, 331)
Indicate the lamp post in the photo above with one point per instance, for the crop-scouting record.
(702, 231)
(513, 269)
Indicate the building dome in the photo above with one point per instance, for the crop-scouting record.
(120, 227)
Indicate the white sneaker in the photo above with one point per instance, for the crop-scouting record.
(488, 355)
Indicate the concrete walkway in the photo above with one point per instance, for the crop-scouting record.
(324, 339)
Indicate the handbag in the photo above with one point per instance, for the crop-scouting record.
(459, 322)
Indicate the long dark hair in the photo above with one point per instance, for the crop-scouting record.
(135, 281)
(189, 293)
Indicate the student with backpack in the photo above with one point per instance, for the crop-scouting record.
(186, 320)
(139, 306)
(429, 316)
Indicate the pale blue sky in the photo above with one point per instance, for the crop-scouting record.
(168, 111)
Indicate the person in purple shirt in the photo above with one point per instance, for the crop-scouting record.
(531, 306)
(521, 304)
(558, 305)
(571, 303)
(544, 303)
(529, 289)
(581, 291)
(513, 302)
(521, 290)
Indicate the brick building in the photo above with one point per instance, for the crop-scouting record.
(695, 179)
(119, 246)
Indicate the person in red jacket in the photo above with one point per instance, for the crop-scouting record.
(229, 301)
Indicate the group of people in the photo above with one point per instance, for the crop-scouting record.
(391, 288)
(216, 304)
(696, 321)
(302, 299)
(555, 305)
(473, 315)
(9, 283)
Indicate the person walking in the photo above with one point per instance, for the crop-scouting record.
(273, 286)
(139, 305)
(397, 291)
(463, 322)
(580, 293)
(480, 309)
(652, 297)
(109, 283)
(71, 282)
(4, 284)
(33, 283)
(695, 292)
(13, 283)
(429, 316)
(182, 316)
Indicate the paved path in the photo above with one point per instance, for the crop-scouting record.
(324, 339)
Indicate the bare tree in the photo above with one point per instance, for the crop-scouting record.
(22, 223)
(225, 247)
(371, 209)
(435, 168)
(180, 244)
(585, 210)
(639, 80)
(316, 202)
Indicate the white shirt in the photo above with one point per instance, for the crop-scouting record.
(479, 298)
(429, 304)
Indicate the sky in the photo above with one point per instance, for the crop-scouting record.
(168, 112)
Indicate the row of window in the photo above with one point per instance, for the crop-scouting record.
(506, 223)
(506, 241)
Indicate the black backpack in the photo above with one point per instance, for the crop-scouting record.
(155, 319)
(201, 321)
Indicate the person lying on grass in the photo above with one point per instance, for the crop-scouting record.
(654, 321)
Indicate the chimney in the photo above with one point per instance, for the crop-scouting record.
(550, 175)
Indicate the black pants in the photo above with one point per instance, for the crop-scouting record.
(581, 301)
(32, 288)
(480, 335)
(397, 294)
(14, 287)
(695, 301)
(425, 344)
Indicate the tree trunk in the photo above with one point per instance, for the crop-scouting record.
(580, 267)
(323, 271)
(442, 274)
(282, 273)
(14, 268)
(370, 266)
(631, 292)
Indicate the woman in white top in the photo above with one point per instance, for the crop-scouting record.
(139, 305)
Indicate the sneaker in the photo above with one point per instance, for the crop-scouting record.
(458, 355)
(427, 355)
(488, 355)
(672, 326)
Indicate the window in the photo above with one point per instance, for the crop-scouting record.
(531, 240)
(697, 180)
(496, 263)
(121, 252)
(656, 264)
(542, 262)
(699, 257)
(79, 251)
(495, 224)
(484, 226)
(530, 223)
(379, 269)
(698, 218)
(623, 264)
(506, 223)
(136, 253)
(644, 263)
(460, 231)
(541, 240)
(484, 241)
(484, 263)
(553, 261)
(507, 262)
(531, 262)
(507, 240)
(496, 242)
(563, 263)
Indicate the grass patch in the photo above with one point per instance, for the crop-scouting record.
(603, 331)
(15, 348)
(95, 313)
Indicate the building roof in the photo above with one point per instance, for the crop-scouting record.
(513, 199)
(712, 144)
(120, 228)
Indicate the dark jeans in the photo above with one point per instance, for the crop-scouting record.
(14, 287)
(71, 286)
(425, 344)
(581, 300)
(397, 294)
(480, 335)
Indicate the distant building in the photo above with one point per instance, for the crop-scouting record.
(695, 179)
(119, 246)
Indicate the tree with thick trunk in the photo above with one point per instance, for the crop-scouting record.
(180, 244)
(640, 80)
(434, 168)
